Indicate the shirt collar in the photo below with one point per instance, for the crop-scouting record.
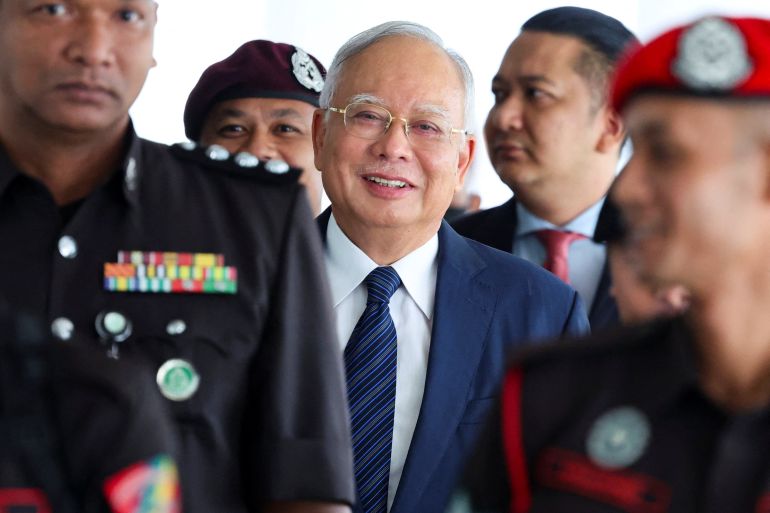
(348, 266)
(131, 167)
(584, 223)
(129, 173)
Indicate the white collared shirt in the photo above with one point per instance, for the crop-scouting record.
(411, 308)
(586, 258)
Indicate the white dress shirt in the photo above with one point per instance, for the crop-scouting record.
(411, 308)
(586, 258)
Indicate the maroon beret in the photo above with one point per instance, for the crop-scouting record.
(717, 57)
(258, 69)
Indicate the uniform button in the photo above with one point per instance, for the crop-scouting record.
(216, 152)
(277, 167)
(188, 145)
(113, 326)
(130, 178)
(62, 328)
(245, 159)
(176, 327)
(68, 248)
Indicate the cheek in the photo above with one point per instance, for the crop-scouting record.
(297, 152)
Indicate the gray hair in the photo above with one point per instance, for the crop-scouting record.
(367, 38)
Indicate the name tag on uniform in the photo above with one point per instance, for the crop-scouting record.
(165, 272)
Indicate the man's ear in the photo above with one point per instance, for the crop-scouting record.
(613, 132)
(464, 160)
(319, 136)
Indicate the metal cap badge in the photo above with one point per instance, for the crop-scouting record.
(306, 71)
(712, 55)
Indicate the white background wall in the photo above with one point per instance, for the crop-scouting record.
(192, 34)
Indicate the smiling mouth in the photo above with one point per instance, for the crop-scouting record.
(394, 184)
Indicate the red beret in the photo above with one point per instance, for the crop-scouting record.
(713, 57)
(258, 69)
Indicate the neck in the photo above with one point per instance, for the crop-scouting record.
(70, 164)
(386, 245)
(732, 333)
(561, 200)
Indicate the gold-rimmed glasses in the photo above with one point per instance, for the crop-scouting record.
(369, 121)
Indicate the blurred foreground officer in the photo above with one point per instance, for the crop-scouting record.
(205, 265)
(79, 434)
(261, 100)
(637, 299)
(673, 417)
(555, 141)
(425, 317)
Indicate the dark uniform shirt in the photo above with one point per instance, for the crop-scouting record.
(74, 433)
(618, 424)
(268, 420)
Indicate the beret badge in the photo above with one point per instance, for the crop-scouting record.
(306, 71)
(712, 55)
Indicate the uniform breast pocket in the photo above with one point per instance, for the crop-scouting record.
(200, 350)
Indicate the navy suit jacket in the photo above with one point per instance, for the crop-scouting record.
(496, 227)
(487, 303)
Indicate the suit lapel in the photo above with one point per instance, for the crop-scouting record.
(462, 314)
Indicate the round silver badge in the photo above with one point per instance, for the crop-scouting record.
(217, 152)
(277, 167)
(246, 159)
(618, 438)
(305, 70)
(712, 55)
(177, 379)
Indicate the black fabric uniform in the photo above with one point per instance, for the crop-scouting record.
(269, 420)
(698, 458)
(72, 421)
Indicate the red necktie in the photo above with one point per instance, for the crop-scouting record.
(556, 245)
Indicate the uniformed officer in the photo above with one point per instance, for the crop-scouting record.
(53, 460)
(261, 100)
(203, 263)
(672, 417)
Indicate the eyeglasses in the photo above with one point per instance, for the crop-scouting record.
(369, 121)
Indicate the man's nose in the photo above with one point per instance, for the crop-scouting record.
(92, 43)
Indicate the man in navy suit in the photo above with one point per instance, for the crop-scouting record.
(555, 142)
(425, 316)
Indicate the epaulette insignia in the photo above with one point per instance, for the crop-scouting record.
(242, 164)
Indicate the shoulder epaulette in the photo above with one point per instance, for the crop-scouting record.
(242, 164)
(606, 344)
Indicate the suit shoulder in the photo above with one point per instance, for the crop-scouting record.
(469, 224)
(219, 164)
(506, 265)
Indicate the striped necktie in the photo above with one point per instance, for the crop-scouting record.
(370, 365)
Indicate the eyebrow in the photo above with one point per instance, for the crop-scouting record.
(285, 113)
(651, 129)
(427, 108)
(232, 112)
(526, 79)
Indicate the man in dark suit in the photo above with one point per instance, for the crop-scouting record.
(425, 317)
(555, 143)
